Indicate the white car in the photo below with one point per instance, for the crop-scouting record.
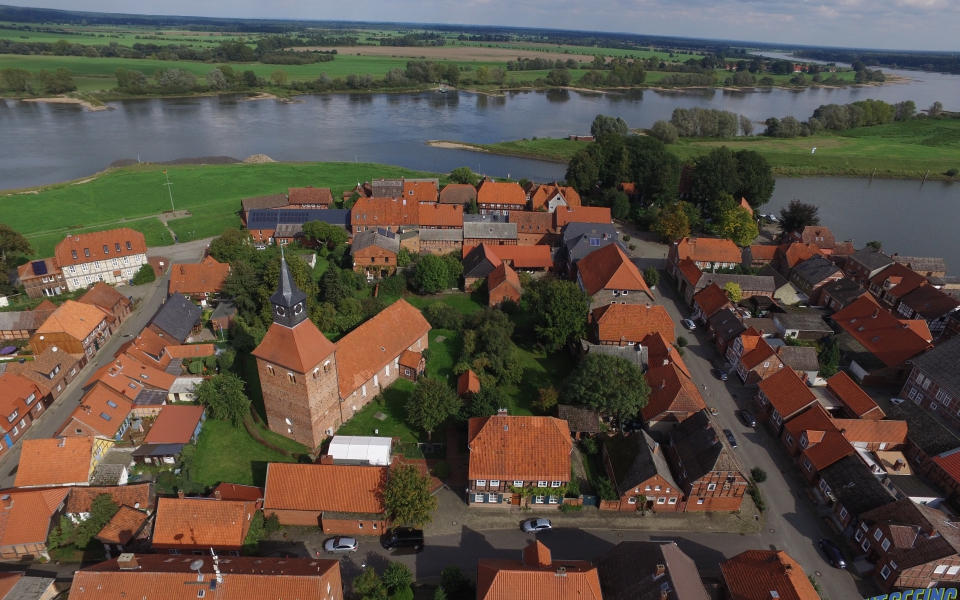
(535, 525)
(340, 545)
(689, 324)
(896, 401)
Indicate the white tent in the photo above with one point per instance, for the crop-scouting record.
(355, 449)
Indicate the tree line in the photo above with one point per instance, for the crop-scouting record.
(948, 63)
(841, 117)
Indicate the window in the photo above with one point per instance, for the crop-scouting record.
(595, 242)
(478, 498)
(699, 500)
(632, 500)
(789, 440)
(129, 247)
(656, 488)
(711, 487)
(863, 526)
(111, 404)
(538, 499)
(885, 545)
(360, 525)
(877, 535)
(552, 499)
(86, 252)
(647, 489)
(106, 249)
(174, 551)
(893, 565)
(541, 484)
(74, 253)
(117, 247)
(30, 399)
(673, 501)
(554, 484)
(661, 500)
(766, 364)
(291, 377)
(517, 483)
(270, 370)
(843, 513)
(865, 545)
(859, 536)
(494, 483)
(940, 570)
(494, 498)
(807, 465)
(803, 441)
(481, 483)
(953, 570)
(926, 383)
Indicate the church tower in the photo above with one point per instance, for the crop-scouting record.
(298, 369)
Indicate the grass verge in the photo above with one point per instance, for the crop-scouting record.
(228, 453)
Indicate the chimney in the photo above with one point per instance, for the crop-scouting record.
(898, 465)
(502, 412)
(876, 312)
(326, 459)
(180, 494)
(661, 569)
(656, 450)
(127, 561)
(216, 494)
(6, 501)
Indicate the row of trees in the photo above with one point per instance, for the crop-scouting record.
(708, 122)
(21, 81)
(840, 117)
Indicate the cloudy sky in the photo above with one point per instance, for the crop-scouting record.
(893, 24)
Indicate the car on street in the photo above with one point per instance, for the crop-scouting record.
(896, 401)
(748, 419)
(721, 374)
(403, 537)
(629, 425)
(340, 545)
(730, 438)
(834, 555)
(535, 525)
(690, 325)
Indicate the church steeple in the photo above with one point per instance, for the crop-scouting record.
(289, 301)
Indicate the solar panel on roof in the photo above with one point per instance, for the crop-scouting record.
(386, 233)
(39, 267)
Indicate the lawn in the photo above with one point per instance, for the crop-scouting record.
(228, 453)
(540, 370)
(443, 356)
(465, 303)
(211, 192)
(392, 403)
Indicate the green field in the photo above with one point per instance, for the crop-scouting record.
(212, 193)
(124, 36)
(228, 453)
(897, 150)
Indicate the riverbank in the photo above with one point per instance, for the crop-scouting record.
(915, 149)
(67, 100)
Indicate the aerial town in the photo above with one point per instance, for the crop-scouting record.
(315, 404)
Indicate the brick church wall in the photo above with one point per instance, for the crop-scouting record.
(303, 409)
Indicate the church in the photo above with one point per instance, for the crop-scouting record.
(311, 385)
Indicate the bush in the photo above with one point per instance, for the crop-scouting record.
(571, 508)
(632, 246)
(682, 341)
(758, 474)
(441, 470)
(953, 172)
(443, 316)
(626, 238)
(573, 488)
(589, 446)
(754, 492)
(605, 489)
(652, 276)
(144, 275)
(665, 132)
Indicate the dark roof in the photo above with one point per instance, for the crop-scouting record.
(701, 448)
(922, 263)
(751, 283)
(764, 325)
(871, 258)
(154, 397)
(261, 202)
(627, 572)
(854, 486)
(923, 429)
(814, 270)
(387, 188)
(177, 316)
(381, 238)
(942, 364)
(158, 450)
(857, 352)
(635, 459)
(844, 290)
(478, 264)
(579, 418)
(489, 227)
(288, 294)
(778, 279)
(929, 302)
(727, 324)
(919, 534)
(799, 358)
(226, 308)
(802, 319)
(270, 218)
(636, 354)
(575, 239)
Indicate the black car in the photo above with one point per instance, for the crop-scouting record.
(403, 537)
(834, 555)
(721, 374)
(631, 425)
(748, 419)
(730, 438)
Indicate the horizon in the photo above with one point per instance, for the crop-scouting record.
(864, 37)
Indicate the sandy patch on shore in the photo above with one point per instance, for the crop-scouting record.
(65, 100)
(449, 52)
(259, 96)
(454, 145)
(83, 181)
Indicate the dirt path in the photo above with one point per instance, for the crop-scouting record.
(576, 459)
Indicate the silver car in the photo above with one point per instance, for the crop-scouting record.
(340, 545)
(535, 525)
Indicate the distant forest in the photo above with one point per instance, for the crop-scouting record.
(943, 63)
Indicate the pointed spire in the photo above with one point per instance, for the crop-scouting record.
(288, 294)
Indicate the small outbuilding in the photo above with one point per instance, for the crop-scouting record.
(411, 365)
(468, 384)
(360, 450)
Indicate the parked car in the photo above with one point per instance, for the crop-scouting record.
(834, 555)
(896, 401)
(535, 525)
(690, 325)
(403, 537)
(340, 545)
(748, 419)
(721, 374)
(730, 438)
(631, 425)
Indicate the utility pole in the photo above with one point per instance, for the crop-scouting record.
(170, 190)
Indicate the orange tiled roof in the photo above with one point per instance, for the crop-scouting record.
(831, 448)
(148, 341)
(582, 214)
(25, 271)
(520, 257)
(191, 350)
(81, 498)
(535, 576)
(950, 463)
(815, 418)
(760, 353)
(750, 338)
(919, 326)
(102, 409)
(691, 272)
(175, 424)
(763, 252)
(409, 358)
(75, 319)
(329, 488)
(903, 280)
(441, 215)
(660, 351)
(610, 269)
(233, 491)
(671, 390)
(503, 274)
(47, 305)
(103, 295)
(301, 348)
(207, 277)
(27, 521)
(880, 332)
(786, 392)
(123, 370)
(753, 574)
(123, 526)
(632, 322)
(498, 192)
(548, 191)
(871, 431)
(711, 299)
(94, 243)
(201, 522)
(500, 448)
(55, 461)
(852, 395)
(309, 195)
(708, 250)
(14, 391)
(532, 223)
(746, 206)
(375, 343)
(7, 581)
(385, 212)
(468, 383)
(794, 254)
(420, 191)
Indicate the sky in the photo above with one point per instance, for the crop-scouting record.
(884, 24)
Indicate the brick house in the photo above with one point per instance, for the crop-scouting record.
(851, 489)
(581, 214)
(912, 546)
(375, 253)
(706, 468)
(708, 301)
(836, 295)
(411, 365)
(811, 275)
(578, 240)
(823, 239)
(102, 412)
(521, 258)
(608, 275)
(502, 463)
(549, 197)
(628, 324)
(873, 436)
(504, 579)
(199, 282)
(176, 319)
(21, 402)
(51, 370)
(491, 229)
(535, 228)
(854, 402)
(929, 304)
(724, 327)
(581, 420)
(125, 531)
(499, 198)
(112, 256)
(750, 285)
(807, 426)
(341, 499)
(787, 256)
(674, 396)
(54, 462)
(864, 264)
(309, 197)
(765, 574)
(478, 263)
(818, 455)
(639, 472)
(503, 284)
(945, 472)
(934, 383)
(106, 297)
(201, 525)
(782, 396)
(370, 214)
(261, 203)
(758, 364)
(41, 278)
(441, 216)
(893, 283)
(742, 344)
(27, 518)
(707, 253)
(75, 328)
(758, 255)
(647, 571)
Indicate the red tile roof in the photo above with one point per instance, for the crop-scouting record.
(94, 242)
(330, 488)
(532, 223)
(919, 326)
(763, 252)
(870, 431)
(468, 383)
(831, 448)
(632, 322)
(901, 278)
(503, 274)
(520, 257)
(27, 521)
(746, 206)
(7, 581)
(123, 370)
(300, 349)
(121, 528)
(207, 277)
(75, 319)
(175, 424)
(753, 574)
(25, 271)
(548, 191)
(502, 447)
(498, 192)
(711, 299)
(103, 295)
(309, 195)
(535, 576)
(14, 391)
(385, 212)
(581, 214)
(708, 250)
(880, 332)
(409, 358)
(441, 215)
(690, 271)
(137, 495)
(420, 191)
(949, 462)
(787, 393)
(794, 254)
(815, 418)
(191, 350)
(233, 491)
(101, 409)
(201, 522)
(761, 352)
(375, 343)
(55, 461)
(671, 390)
(610, 269)
(851, 395)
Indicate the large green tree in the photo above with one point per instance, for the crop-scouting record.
(583, 171)
(369, 586)
(325, 232)
(672, 222)
(102, 509)
(798, 215)
(715, 173)
(224, 397)
(16, 80)
(241, 285)
(558, 310)
(431, 274)
(11, 242)
(464, 175)
(732, 221)
(653, 168)
(603, 125)
(607, 383)
(431, 404)
(488, 347)
(756, 178)
(233, 244)
(407, 497)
